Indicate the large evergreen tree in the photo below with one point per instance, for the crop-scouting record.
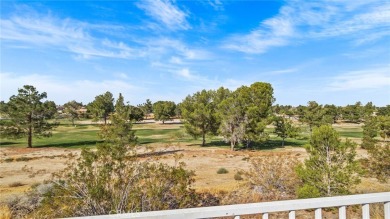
(353, 113)
(119, 132)
(102, 106)
(245, 113)
(72, 108)
(370, 131)
(28, 115)
(379, 161)
(284, 128)
(331, 168)
(164, 110)
(313, 115)
(384, 126)
(199, 114)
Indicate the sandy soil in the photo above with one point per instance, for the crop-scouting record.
(27, 166)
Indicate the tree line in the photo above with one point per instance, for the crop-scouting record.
(240, 116)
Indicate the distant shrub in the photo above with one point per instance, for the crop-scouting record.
(222, 171)
(16, 184)
(245, 158)
(238, 176)
(9, 159)
(23, 158)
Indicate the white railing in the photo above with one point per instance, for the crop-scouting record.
(266, 208)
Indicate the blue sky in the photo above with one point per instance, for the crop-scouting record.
(329, 51)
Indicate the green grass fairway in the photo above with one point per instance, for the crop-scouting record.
(81, 136)
(350, 132)
(64, 136)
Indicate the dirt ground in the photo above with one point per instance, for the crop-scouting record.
(20, 168)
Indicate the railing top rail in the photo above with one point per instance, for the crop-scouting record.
(256, 208)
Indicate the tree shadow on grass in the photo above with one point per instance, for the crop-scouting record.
(216, 143)
(157, 153)
(70, 144)
(272, 144)
(268, 145)
(8, 143)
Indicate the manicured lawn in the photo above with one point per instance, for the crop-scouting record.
(86, 135)
(350, 132)
(64, 136)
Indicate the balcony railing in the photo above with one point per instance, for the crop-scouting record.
(265, 208)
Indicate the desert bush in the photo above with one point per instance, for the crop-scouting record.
(9, 159)
(273, 177)
(238, 176)
(379, 161)
(118, 187)
(270, 178)
(23, 158)
(376, 211)
(23, 205)
(245, 158)
(243, 195)
(222, 170)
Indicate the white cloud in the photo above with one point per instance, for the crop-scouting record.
(216, 4)
(185, 73)
(176, 60)
(361, 22)
(122, 76)
(165, 12)
(283, 71)
(272, 33)
(373, 22)
(64, 34)
(168, 45)
(376, 78)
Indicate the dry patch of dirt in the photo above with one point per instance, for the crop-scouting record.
(22, 167)
(206, 161)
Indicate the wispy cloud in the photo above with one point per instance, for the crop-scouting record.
(216, 4)
(166, 13)
(272, 33)
(84, 40)
(360, 21)
(186, 74)
(283, 71)
(65, 34)
(177, 48)
(369, 25)
(375, 78)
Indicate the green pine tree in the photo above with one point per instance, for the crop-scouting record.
(199, 113)
(284, 128)
(331, 168)
(27, 115)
